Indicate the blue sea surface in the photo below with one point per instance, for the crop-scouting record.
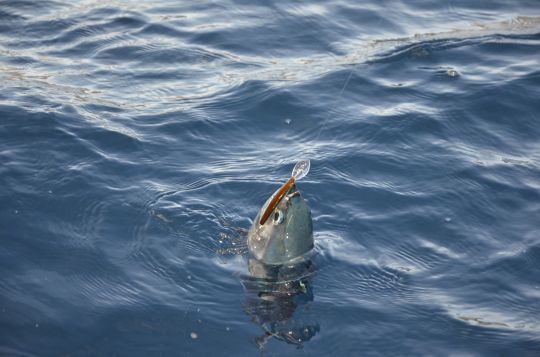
(139, 139)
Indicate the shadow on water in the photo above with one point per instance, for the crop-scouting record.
(278, 299)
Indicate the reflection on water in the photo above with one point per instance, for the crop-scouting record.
(278, 298)
(130, 129)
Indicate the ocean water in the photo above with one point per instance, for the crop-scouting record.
(138, 140)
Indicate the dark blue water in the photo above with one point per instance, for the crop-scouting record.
(139, 139)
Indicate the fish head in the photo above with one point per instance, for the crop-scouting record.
(287, 233)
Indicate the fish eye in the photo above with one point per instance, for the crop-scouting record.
(278, 217)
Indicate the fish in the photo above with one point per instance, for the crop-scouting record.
(282, 232)
(280, 243)
(278, 299)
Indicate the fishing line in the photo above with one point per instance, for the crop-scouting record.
(338, 97)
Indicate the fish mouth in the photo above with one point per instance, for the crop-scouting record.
(293, 192)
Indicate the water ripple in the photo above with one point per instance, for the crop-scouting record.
(140, 139)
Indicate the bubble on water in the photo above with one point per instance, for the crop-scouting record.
(452, 72)
(288, 121)
(194, 335)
